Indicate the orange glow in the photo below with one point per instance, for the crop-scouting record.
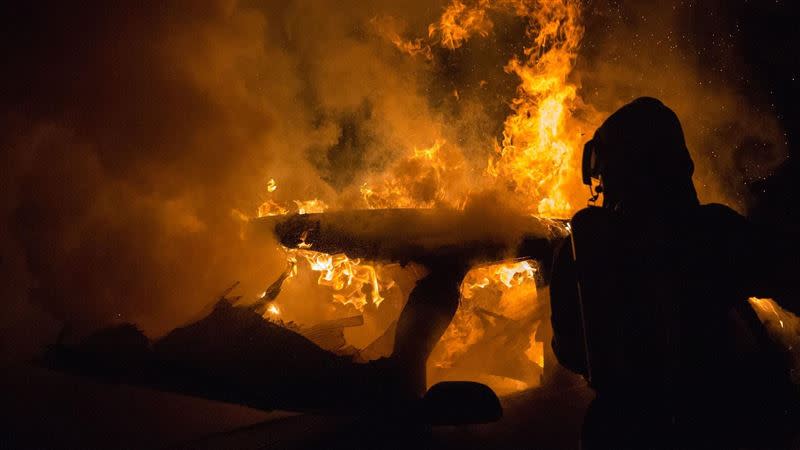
(538, 156)
(783, 327)
(491, 296)
(508, 275)
(310, 206)
(536, 163)
(539, 151)
(270, 208)
(459, 22)
(423, 179)
(352, 282)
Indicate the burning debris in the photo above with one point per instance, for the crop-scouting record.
(499, 306)
(232, 354)
(235, 355)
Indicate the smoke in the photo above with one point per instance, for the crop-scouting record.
(132, 132)
(690, 57)
(136, 135)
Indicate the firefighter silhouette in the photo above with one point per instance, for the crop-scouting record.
(649, 299)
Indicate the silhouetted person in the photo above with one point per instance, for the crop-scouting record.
(649, 302)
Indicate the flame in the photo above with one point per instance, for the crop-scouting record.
(504, 291)
(537, 159)
(310, 206)
(535, 163)
(271, 207)
(536, 351)
(352, 282)
(508, 275)
(423, 179)
(538, 153)
(459, 22)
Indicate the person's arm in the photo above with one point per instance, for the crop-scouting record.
(771, 266)
(568, 343)
(765, 262)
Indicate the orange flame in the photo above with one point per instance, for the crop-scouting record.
(508, 275)
(310, 206)
(459, 22)
(352, 282)
(423, 179)
(536, 162)
(504, 290)
(538, 152)
(537, 159)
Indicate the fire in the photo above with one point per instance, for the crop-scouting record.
(783, 327)
(538, 152)
(500, 312)
(274, 310)
(506, 274)
(535, 162)
(310, 206)
(459, 22)
(425, 178)
(352, 282)
(537, 159)
(271, 207)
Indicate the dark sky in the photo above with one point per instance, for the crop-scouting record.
(752, 46)
(768, 43)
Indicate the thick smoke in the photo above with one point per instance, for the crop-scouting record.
(136, 135)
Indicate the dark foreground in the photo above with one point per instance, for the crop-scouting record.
(45, 409)
(50, 410)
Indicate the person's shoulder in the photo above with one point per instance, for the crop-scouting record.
(716, 212)
(591, 213)
(720, 220)
(593, 220)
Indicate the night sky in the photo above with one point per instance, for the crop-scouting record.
(750, 46)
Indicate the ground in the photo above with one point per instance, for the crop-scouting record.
(52, 410)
